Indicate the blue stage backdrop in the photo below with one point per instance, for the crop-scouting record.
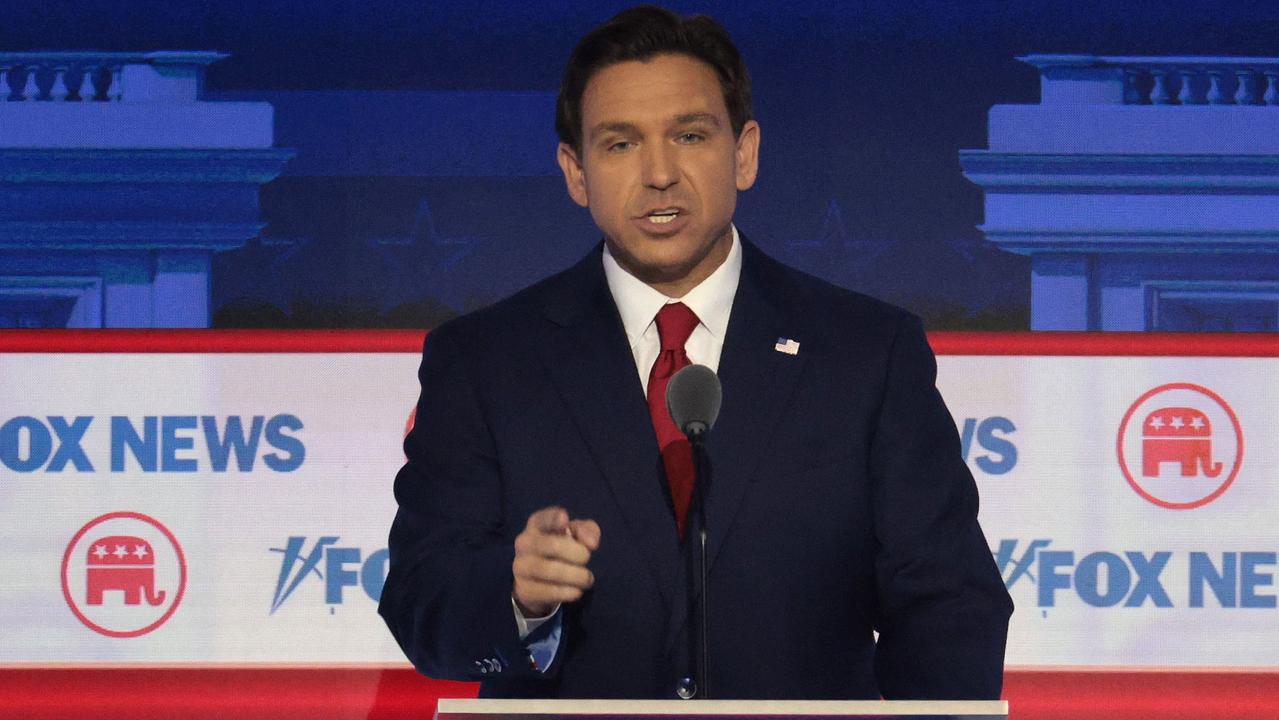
(391, 163)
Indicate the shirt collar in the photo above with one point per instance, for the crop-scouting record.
(711, 300)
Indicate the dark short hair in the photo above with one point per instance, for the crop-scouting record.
(641, 33)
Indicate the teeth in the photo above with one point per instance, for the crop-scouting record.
(663, 218)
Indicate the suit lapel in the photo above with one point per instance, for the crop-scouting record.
(589, 360)
(758, 382)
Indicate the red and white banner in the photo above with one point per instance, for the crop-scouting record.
(1125, 500)
(222, 499)
(199, 507)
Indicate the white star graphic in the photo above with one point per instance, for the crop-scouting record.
(1157, 422)
(140, 550)
(1176, 422)
(1197, 423)
(100, 551)
(120, 551)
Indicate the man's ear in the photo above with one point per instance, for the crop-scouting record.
(747, 155)
(574, 177)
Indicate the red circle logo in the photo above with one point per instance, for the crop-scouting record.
(1180, 446)
(123, 574)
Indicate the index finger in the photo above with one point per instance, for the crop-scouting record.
(552, 519)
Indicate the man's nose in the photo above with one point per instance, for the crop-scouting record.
(660, 168)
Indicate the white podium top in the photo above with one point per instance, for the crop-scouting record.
(453, 709)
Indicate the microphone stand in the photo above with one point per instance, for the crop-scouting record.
(701, 488)
(693, 398)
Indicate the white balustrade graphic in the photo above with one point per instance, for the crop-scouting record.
(86, 76)
(1167, 80)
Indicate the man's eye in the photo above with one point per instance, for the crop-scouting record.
(620, 146)
(690, 137)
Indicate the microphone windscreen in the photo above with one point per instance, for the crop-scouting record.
(693, 398)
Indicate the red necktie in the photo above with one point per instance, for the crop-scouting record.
(675, 322)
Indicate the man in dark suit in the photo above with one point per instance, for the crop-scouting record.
(539, 545)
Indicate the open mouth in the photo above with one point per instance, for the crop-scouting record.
(661, 217)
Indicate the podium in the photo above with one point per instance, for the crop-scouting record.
(720, 709)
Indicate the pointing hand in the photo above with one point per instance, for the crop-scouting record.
(551, 557)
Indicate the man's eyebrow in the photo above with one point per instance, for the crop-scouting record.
(691, 118)
(624, 128)
(616, 127)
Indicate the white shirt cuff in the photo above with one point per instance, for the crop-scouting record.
(528, 625)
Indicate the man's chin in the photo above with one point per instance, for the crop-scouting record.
(660, 273)
(661, 262)
(655, 265)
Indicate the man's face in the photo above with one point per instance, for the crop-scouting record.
(660, 169)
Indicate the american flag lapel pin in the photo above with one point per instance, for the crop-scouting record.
(787, 345)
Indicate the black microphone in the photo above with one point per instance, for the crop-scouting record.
(693, 398)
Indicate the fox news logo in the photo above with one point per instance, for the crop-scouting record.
(151, 444)
(1131, 579)
(335, 567)
(987, 444)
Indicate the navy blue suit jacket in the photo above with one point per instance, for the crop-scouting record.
(840, 503)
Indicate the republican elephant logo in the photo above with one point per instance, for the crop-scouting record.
(1180, 446)
(124, 563)
(1178, 435)
(123, 574)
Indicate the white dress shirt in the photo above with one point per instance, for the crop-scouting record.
(711, 301)
(638, 303)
